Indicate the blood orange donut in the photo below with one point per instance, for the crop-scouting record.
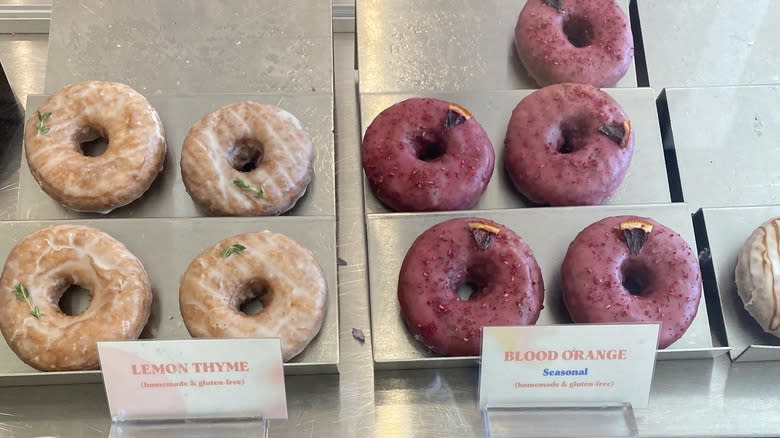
(632, 269)
(587, 42)
(83, 112)
(427, 154)
(507, 282)
(568, 144)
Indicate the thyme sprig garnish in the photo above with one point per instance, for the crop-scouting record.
(232, 249)
(22, 294)
(244, 186)
(42, 117)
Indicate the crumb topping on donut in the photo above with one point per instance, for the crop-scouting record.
(618, 132)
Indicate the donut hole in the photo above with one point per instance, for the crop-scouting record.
(254, 299)
(245, 155)
(466, 290)
(74, 300)
(578, 30)
(475, 279)
(427, 148)
(636, 278)
(574, 134)
(93, 143)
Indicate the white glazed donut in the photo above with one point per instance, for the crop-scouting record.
(758, 275)
(41, 268)
(83, 112)
(284, 275)
(247, 159)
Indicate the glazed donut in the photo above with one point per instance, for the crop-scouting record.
(41, 267)
(272, 267)
(568, 144)
(587, 42)
(83, 112)
(632, 269)
(247, 159)
(467, 251)
(757, 274)
(427, 154)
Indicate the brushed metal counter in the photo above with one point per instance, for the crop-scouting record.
(688, 398)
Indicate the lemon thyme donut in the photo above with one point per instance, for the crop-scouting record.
(757, 274)
(247, 159)
(568, 144)
(632, 269)
(83, 112)
(270, 267)
(587, 42)
(41, 268)
(501, 268)
(427, 154)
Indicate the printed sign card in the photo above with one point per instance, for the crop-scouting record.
(197, 378)
(568, 364)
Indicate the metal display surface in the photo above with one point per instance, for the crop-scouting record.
(443, 45)
(645, 181)
(691, 398)
(167, 196)
(166, 247)
(548, 231)
(719, 133)
(157, 47)
(710, 42)
(727, 230)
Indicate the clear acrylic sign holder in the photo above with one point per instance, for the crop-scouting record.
(572, 420)
(200, 428)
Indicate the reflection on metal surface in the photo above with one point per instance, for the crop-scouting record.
(219, 54)
(710, 42)
(725, 139)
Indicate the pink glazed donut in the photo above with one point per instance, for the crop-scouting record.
(587, 42)
(632, 269)
(568, 144)
(500, 267)
(427, 154)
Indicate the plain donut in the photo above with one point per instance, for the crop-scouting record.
(80, 113)
(273, 267)
(45, 264)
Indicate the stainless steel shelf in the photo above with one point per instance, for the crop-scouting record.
(702, 398)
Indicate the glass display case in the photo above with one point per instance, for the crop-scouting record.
(701, 91)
